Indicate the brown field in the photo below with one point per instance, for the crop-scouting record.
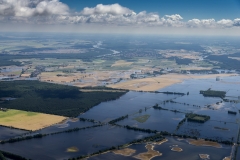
(25, 75)
(156, 83)
(28, 120)
(125, 152)
(151, 153)
(202, 142)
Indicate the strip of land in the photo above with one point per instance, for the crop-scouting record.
(28, 120)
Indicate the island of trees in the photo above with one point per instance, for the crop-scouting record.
(213, 93)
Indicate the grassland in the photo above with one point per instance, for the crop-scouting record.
(28, 120)
(142, 119)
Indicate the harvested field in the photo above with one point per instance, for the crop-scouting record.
(156, 83)
(28, 120)
(202, 142)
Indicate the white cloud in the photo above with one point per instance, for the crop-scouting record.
(56, 12)
(114, 9)
(30, 8)
(236, 22)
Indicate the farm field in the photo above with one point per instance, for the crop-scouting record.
(28, 120)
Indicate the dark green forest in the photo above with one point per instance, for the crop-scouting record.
(52, 98)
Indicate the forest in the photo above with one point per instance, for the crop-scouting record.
(50, 98)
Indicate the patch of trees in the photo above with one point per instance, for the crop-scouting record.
(167, 92)
(4, 154)
(225, 62)
(197, 118)
(180, 123)
(140, 129)
(118, 119)
(213, 93)
(51, 98)
(232, 112)
(88, 120)
(181, 61)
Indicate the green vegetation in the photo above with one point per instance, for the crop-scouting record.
(50, 98)
(213, 93)
(232, 112)
(142, 119)
(2, 156)
(8, 155)
(118, 119)
(197, 118)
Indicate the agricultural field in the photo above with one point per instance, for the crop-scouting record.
(30, 121)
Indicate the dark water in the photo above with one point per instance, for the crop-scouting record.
(160, 120)
(130, 103)
(87, 141)
(6, 133)
(208, 130)
(238, 154)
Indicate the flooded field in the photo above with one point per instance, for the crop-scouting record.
(6, 133)
(130, 103)
(160, 120)
(190, 152)
(67, 145)
(69, 124)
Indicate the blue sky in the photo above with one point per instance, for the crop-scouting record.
(188, 9)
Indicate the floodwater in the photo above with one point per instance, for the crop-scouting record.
(129, 103)
(7, 133)
(190, 152)
(160, 120)
(87, 141)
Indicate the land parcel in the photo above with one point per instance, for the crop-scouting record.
(28, 120)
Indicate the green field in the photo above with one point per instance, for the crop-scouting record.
(142, 119)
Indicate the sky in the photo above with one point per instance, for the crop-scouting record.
(190, 17)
